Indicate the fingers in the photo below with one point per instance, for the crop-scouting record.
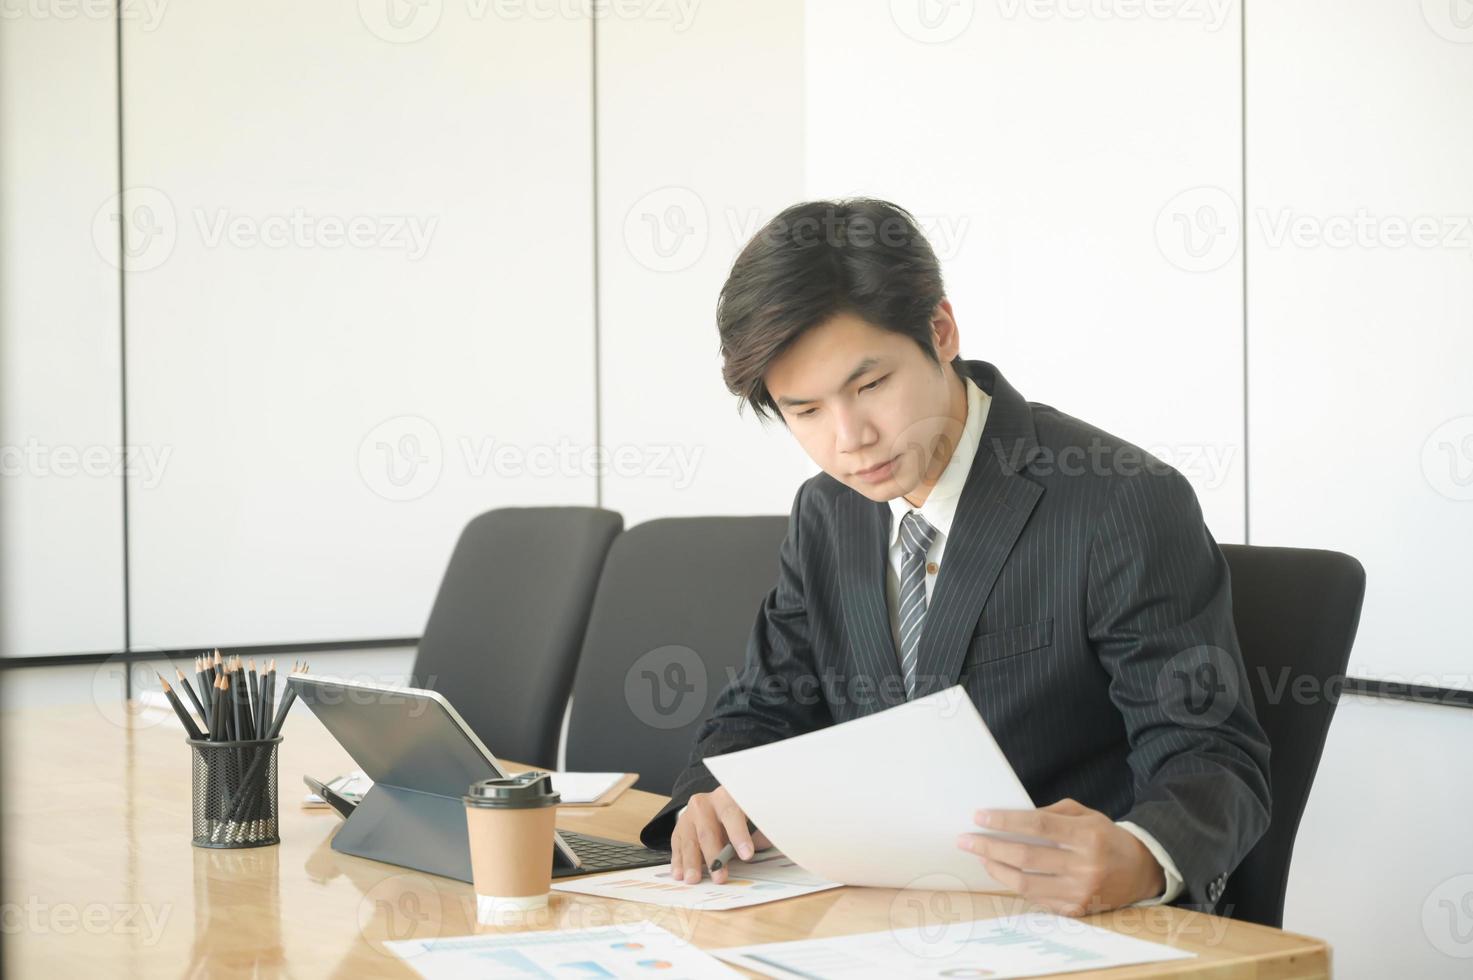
(1025, 857)
(734, 822)
(1043, 824)
(760, 841)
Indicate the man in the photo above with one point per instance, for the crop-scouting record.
(959, 534)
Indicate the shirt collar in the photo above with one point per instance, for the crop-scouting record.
(940, 505)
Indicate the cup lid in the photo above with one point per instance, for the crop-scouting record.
(525, 789)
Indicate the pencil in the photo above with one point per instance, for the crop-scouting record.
(181, 711)
(206, 688)
(286, 703)
(193, 698)
(253, 707)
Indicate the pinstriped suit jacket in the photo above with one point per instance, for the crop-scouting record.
(1081, 602)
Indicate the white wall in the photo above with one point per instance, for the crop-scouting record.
(1360, 351)
(1052, 158)
(694, 155)
(1383, 865)
(337, 407)
(61, 508)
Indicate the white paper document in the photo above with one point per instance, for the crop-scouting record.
(641, 949)
(1029, 945)
(880, 800)
(768, 877)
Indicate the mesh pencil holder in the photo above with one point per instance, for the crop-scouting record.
(234, 789)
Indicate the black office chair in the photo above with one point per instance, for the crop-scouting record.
(674, 608)
(503, 636)
(1296, 612)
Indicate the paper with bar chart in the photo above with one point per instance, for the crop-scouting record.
(1028, 945)
(640, 949)
(768, 877)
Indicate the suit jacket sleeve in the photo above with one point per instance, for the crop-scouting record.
(776, 694)
(1160, 616)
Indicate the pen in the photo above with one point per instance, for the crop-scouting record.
(728, 852)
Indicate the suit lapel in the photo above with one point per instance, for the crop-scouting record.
(994, 506)
(863, 527)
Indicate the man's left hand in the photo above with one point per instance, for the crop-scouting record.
(1097, 865)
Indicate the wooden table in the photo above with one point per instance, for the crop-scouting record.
(100, 878)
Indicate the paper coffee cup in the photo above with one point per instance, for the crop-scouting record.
(511, 824)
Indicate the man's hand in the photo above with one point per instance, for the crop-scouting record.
(709, 821)
(1100, 866)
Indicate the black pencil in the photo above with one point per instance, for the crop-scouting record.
(181, 711)
(206, 691)
(193, 698)
(286, 703)
(255, 691)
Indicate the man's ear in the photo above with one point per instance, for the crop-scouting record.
(944, 334)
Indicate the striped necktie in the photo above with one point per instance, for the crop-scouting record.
(916, 536)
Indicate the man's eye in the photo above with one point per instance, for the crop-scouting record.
(874, 384)
(806, 412)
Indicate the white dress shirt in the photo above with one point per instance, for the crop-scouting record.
(939, 509)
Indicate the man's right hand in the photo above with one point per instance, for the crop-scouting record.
(708, 821)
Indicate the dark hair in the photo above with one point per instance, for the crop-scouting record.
(814, 260)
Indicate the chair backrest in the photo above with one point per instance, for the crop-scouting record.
(674, 609)
(1296, 611)
(502, 639)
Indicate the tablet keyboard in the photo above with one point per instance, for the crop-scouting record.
(602, 854)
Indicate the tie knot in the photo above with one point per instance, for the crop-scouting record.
(916, 534)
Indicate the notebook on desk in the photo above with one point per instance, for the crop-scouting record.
(421, 757)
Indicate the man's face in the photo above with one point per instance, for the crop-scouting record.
(868, 406)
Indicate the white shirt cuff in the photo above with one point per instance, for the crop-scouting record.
(1168, 866)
